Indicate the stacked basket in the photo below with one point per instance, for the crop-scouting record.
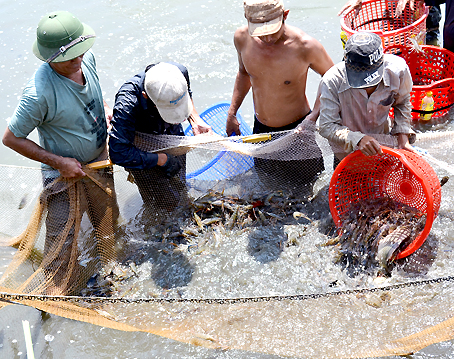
(431, 70)
(378, 16)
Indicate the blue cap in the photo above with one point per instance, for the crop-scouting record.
(363, 58)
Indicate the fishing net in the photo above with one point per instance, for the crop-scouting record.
(232, 253)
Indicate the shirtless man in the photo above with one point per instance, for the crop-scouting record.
(274, 59)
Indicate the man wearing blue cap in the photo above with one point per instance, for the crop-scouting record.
(63, 101)
(357, 94)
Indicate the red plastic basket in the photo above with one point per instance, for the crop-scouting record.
(378, 16)
(400, 175)
(431, 70)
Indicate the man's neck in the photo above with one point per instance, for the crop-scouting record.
(77, 77)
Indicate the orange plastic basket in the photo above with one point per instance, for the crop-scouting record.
(378, 16)
(400, 175)
(431, 70)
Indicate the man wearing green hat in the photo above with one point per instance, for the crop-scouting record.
(63, 101)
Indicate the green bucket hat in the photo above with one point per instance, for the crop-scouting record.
(60, 36)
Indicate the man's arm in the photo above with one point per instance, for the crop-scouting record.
(402, 111)
(67, 166)
(121, 138)
(320, 62)
(240, 89)
(331, 125)
(198, 125)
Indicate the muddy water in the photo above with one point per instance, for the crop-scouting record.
(199, 34)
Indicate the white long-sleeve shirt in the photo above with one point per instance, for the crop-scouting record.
(347, 114)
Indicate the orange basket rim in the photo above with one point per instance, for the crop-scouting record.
(430, 215)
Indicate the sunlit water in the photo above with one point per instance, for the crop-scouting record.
(198, 34)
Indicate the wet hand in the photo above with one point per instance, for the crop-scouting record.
(350, 5)
(202, 128)
(70, 168)
(232, 126)
(402, 3)
(404, 143)
(306, 125)
(109, 114)
(171, 167)
(369, 146)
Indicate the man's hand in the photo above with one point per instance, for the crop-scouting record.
(356, 4)
(201, 127)
(232, 126)
(401, 6)
(70, 168)
(352, 4)
(404, 143)
(109, 114)
(306, 125)
(198, 125)
(369, 146)
(171, 167)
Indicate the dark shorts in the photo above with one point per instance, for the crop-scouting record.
(288, 174)
(448, 37)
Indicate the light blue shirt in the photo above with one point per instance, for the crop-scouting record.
(69, 117)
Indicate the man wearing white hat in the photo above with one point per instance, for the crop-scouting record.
(155, 101)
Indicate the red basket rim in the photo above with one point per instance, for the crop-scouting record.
(400, 154)
(446, 82)
(416, 23)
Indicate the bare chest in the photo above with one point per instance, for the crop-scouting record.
(278, 65)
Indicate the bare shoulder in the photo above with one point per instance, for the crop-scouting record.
(311, 50)
(304, 41)
(240, 37)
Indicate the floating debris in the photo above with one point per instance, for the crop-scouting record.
(23, 202)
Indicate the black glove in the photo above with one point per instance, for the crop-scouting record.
(172, 166)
